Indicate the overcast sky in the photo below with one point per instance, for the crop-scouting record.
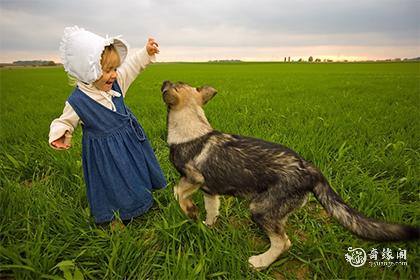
(200, 30)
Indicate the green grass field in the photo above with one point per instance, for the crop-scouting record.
(359, 123)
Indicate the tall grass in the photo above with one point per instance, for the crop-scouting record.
(358, 122)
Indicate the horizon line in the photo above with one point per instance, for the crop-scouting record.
(285, 59)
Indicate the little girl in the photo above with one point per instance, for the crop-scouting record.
(119, 165)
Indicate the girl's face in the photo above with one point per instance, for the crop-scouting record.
(110, 61)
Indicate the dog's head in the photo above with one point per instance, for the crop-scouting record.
(178, 95)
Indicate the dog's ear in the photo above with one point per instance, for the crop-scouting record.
(207, 93)
(170, 98)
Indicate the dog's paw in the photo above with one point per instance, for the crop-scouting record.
(192, 212)
(258, 262)
(210, 221)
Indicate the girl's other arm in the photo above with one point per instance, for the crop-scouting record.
(62, 128)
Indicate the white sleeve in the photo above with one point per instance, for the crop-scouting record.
(64, 125)
(133, 65)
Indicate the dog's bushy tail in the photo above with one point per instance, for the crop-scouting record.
(356, 222)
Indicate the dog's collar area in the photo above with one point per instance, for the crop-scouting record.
(204, 138)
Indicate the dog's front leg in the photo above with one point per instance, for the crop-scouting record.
(183, 192)
(212, 204)
(193, 174)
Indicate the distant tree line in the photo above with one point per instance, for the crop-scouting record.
(311, 59)
(34, 63)
(225, 60)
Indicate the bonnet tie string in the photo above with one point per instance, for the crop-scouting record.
(108, 96)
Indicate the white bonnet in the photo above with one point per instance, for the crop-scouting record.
(81, 51)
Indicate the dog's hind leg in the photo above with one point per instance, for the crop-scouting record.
(279, 243)
(183, 191)
(271, 213)
(212, 204)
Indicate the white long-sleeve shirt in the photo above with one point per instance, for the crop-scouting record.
(135, 63)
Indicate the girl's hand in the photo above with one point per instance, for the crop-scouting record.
(60, 143)
(152, 47)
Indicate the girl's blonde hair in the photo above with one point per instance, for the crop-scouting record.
(107, 55)
(105, 59)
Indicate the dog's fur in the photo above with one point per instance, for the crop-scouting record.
(274, 178)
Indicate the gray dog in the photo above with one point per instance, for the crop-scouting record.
(274, 178)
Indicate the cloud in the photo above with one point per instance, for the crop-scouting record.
(236, 24)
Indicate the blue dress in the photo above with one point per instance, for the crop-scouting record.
(119, 165)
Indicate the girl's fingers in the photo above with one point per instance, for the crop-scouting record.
(152, 46)
(152, 42)
(61, 145)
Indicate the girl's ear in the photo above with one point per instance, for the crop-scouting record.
(207, 93)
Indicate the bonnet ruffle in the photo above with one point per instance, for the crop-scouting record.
(81, 50)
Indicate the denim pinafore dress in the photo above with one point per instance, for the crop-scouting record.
(119, 165)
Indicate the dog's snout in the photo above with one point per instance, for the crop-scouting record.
(165, 86)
